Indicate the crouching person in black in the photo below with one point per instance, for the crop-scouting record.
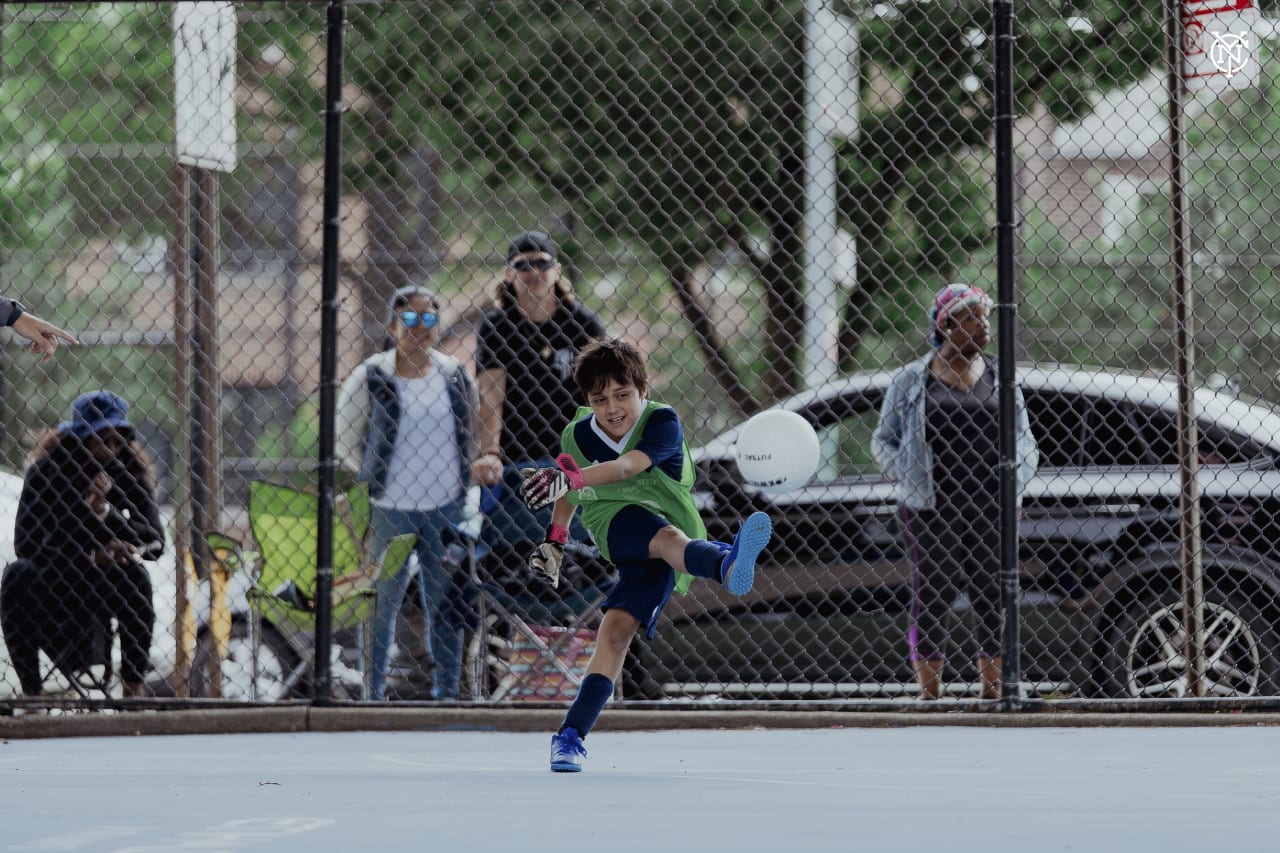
(86, 519)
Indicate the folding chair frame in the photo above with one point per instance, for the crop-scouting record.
(487, 648)
(51, 667)
(353, 606)
(84, 681)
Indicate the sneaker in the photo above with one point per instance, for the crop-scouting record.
(567, 752)
(738, 572)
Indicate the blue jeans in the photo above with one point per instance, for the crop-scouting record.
(444, 629)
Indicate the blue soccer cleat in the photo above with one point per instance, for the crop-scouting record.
(567, 752)
(738, 571)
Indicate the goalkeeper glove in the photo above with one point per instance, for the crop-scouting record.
(549, 556)
(544, 486)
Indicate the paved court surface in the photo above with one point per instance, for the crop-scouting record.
(893, 789)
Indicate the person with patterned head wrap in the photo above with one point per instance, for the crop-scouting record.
(938, 440)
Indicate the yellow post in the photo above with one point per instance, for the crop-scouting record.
(186, 627)
(219, 615)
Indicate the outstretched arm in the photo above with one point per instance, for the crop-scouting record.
(43, 335)
(544, 486)
(624, 467)
(547, 558)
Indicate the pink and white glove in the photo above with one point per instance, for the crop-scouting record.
(544, 486)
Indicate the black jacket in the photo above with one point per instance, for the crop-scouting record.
(135, 499)
(54, 526)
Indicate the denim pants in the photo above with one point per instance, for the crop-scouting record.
(444, 629)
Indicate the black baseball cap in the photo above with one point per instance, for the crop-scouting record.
(531, 241)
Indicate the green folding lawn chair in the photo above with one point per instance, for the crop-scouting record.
(285, 528)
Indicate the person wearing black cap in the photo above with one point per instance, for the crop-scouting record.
(86, 519)
(406, 425)
(526, 348)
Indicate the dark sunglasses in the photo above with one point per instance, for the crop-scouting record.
(526, 264)
(428, 319)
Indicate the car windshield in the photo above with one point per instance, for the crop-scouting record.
(844, 425)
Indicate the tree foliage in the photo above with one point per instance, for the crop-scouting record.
(81, 94)
(673, 130)
(677, 127)
(919, 181)
(1232, 212)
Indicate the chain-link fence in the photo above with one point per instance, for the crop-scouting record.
(764, 198)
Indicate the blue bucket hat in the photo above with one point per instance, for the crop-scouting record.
(99, 410)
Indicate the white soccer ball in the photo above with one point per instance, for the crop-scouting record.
(776, 451)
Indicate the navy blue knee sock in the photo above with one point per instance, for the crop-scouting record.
(595, 692)
(702, 558)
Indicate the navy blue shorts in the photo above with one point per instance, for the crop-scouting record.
(644, 584)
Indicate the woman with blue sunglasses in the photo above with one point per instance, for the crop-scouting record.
(406, 424)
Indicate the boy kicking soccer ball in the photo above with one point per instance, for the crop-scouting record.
(626, 463)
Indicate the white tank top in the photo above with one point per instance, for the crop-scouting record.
(424, 472)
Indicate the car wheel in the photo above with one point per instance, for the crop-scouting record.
(1145, 656)
(276, 662)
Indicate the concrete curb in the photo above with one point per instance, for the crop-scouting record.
(302, 718)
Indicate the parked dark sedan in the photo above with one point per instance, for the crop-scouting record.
(1101, 602)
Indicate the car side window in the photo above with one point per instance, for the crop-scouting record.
(1217, 445)
(1115, 435)
(1220, 447)
(1160, 431)
(844, 428)
(1057, 422)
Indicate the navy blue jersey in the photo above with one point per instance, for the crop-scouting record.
(662, 441)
